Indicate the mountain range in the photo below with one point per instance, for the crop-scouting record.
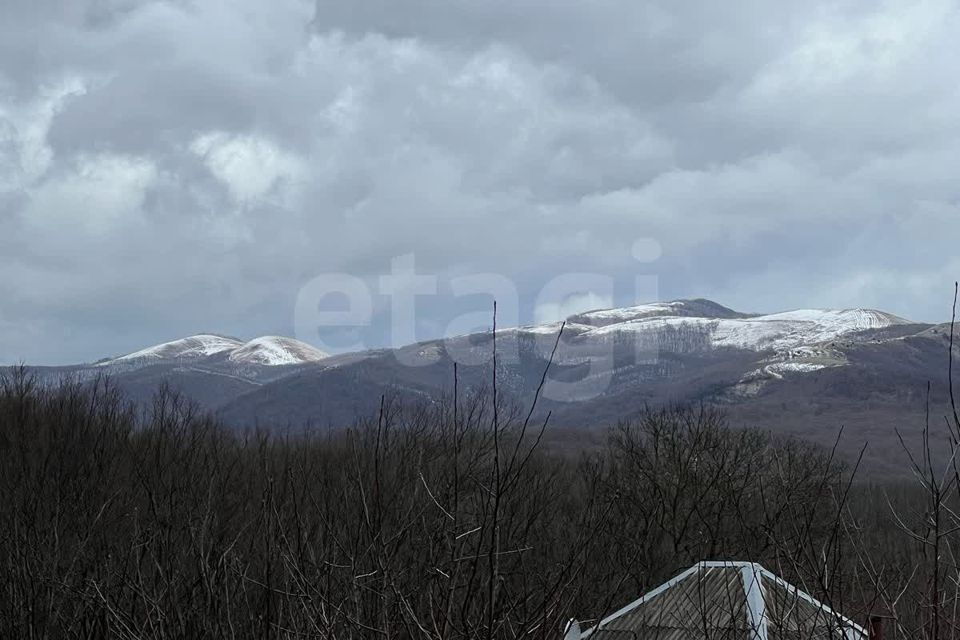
(804, 372)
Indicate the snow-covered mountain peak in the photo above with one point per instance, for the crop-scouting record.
(276, 350)
(192, 347)
(721, 327)
(264, 351)
(697, 308)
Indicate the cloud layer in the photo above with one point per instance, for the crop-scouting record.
(182, 166)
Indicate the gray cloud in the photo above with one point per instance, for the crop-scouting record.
(174, 167)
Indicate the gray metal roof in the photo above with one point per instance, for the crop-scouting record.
(724, 601)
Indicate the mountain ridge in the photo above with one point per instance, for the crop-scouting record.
(265, 350)
(802, 372)
(834, 323)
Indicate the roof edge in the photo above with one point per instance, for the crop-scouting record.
(722, 564)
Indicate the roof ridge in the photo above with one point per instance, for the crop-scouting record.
(756, 609)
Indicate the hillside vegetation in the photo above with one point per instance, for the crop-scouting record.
(434, 521)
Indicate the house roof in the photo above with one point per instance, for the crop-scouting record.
(723, 600)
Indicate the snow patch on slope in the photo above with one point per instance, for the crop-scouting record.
(798, 342)
(778, 331)
(607, 317)
(193, 347)
(275, 351)
(677, 308)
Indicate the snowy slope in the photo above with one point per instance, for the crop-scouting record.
(193, 347)
(264, 351)
(699, 308)
(791, 342)
(276, 350)
(777, 331)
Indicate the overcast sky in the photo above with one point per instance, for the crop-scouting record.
(168, 168)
